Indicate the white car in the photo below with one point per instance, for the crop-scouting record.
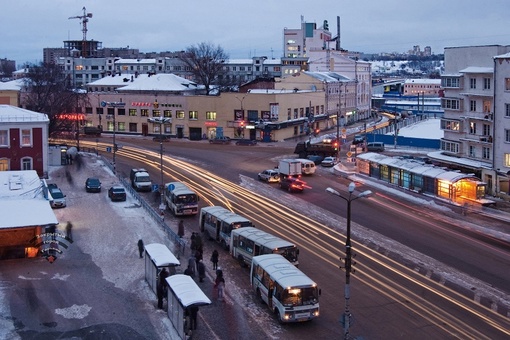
(269, 176)
(329, 161)
(58, 199)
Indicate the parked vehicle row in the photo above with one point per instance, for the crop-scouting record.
(274, 276)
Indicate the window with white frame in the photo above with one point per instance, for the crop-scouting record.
(486, 153)
(507, 84)
(450, 82)
(452, 104)
(486, 129)
(26, 137)
(507, 136)
(26, 163)
(486, 83)
(450, 146)
(471, 151)
(472, 105)
(507, 110)
(507, 159)
(4, 137)
(472, 83)
(451, 125)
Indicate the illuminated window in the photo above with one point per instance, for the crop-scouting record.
(144, 112)
(507, 159)
(156, 113)
(193, 115)
(179, 114)
(132, 112)
(26, 137)
(507, 84)
(4, 164)
(167, 113)
(210, 115)
(472, 128)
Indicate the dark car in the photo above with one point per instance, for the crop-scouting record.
(117, 193)
(292, 184)
(220, 140)
(246, 142)
(93, 185)
(161, 138)
(316, 159)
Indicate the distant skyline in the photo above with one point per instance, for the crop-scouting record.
(247, 29)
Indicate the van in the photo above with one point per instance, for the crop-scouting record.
(307, 166)
(375, 146)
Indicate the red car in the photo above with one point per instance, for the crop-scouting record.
(292, 184)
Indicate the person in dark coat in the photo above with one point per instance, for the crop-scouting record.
(214, 259)
(180, 229)
(189, 271)
(198, 257)
(69, 230)
(161, 289)
(201, 270)
(193, 312)
(140, 247)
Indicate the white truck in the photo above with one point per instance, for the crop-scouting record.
(289, 168)
(140, 180)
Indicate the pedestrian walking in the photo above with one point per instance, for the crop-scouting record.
(198, 257)
(193, 312)
(193, 245)
(161, 289)
(140, 247)
(214, 259)
(69, 231)
(219, 284)
(180, 229)
(201, 270)
(192, 263)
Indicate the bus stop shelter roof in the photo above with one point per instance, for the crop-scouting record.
(161, 255)
(187, 291)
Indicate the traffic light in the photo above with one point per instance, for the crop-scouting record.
(335, 145)
(241, 123)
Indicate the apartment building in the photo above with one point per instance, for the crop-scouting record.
(501, 138)
(469, 115)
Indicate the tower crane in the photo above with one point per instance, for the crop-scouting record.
(84, 19)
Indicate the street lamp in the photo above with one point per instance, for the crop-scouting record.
(348, 251)
(161, 121)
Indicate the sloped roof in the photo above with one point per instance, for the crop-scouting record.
(327, 76)
(144, 82)
(21, 192)
(187, 291)
(13, 114)
(13, 85)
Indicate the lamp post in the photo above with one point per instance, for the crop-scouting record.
(348, 251)
(161, 121)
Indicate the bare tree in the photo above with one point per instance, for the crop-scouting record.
(206, 61)
(48, 90)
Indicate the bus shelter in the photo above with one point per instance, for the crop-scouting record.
(157, 257)
(183, 292)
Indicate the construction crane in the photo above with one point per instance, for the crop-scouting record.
(84, 19)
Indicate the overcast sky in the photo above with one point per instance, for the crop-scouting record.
(249, 28)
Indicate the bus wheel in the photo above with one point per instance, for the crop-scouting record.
(278, 316)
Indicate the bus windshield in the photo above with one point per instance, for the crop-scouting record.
(290, 254)
(300, 296)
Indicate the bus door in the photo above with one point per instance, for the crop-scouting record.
(256, 250)
(270, 292)
(218, 229)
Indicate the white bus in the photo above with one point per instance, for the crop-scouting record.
(249, 241)
(286, 290)
(180, 199)
(217, 223)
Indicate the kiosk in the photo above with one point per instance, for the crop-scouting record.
(183, 292)
(157, 257)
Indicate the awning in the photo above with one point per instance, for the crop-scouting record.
(161, 255)
(187, 291)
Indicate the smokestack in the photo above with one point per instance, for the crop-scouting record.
(338, 33)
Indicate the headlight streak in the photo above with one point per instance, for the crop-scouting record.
(307, 232)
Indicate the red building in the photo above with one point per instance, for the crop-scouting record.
(23, 140)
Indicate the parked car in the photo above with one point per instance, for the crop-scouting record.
(329, 161)
(269, 176)
(161, 138)
(220, 140)
(58, 199)
(117, 193)
(316, 159)
(92, 185)
(358, 139)
(52, 186)
(246, 142)
(375, 146)
(292, 184)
